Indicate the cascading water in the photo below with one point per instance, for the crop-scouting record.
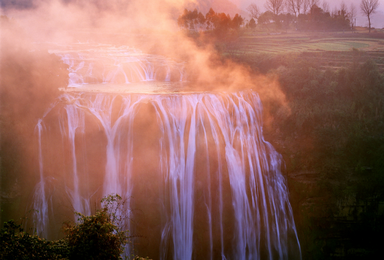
(199, 179)
(104, 64)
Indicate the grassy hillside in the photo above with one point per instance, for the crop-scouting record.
(331, 137)
(327, 50)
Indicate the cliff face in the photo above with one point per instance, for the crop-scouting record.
(29, 84)
(332, 143)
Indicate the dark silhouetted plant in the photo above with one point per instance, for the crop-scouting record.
(18, 244)
(97, 236)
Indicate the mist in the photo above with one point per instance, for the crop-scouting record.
(150, 27)
(32, 72)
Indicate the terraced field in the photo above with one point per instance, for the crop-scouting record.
(340, 59)
(328, 50)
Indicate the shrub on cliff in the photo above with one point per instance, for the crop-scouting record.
(97, 236)
(18, 244)
(93, 237)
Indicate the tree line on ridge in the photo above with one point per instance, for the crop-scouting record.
(302, 15)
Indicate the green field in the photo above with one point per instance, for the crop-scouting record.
(251, 42)
(329, 50)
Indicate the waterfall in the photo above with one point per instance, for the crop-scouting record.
(198, 177)
(40, 202)
(104, 64)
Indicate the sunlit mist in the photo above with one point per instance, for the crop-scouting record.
(113, 98)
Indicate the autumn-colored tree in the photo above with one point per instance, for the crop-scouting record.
(191, 20)
(237, 21)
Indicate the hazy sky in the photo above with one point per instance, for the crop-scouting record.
(378, 18)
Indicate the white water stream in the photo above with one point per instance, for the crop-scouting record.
(213, 162)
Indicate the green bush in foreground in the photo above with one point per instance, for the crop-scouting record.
(96, 236)
(17, 244)
(92, 237)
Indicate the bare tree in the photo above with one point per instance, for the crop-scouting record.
(254, 11)
(325, 7)
(299, 4)
(343, 10)
(315, 2)
(368, 7)
(352, 15)
(294, 6)
(335, 12)
(306, 6)
(290, 6)
(275, 6)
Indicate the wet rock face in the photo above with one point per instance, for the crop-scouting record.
(13, 192)
(29, 85)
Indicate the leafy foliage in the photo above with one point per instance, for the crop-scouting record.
(17, 244)
(96, 236)
(319, 20)
(93, 237)
(252, 24)
(316, 19)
